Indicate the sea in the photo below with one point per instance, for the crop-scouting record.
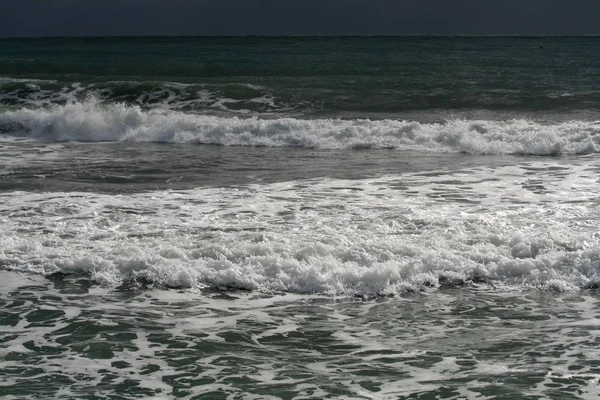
(328, 217)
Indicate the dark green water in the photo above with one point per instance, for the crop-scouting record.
(71, 340)
(334, 76)
(300, 218)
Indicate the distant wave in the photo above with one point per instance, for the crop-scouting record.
(236, 98)
(90, 121)
(315, 96)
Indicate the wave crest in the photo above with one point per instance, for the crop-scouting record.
(90, 121)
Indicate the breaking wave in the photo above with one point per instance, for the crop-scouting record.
(336, 237)
(90, 121)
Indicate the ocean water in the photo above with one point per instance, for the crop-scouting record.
(300, 218)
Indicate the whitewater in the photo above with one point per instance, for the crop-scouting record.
(526, 222)
(91, 121)
(299, 218)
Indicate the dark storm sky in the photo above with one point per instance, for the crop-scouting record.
(275, 17)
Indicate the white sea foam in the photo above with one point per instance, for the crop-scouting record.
(91, 122)
(378, 236)
(148, 95)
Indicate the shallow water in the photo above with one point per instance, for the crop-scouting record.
(357, 218)
(363, 274)
(297, 221)
(67, 338)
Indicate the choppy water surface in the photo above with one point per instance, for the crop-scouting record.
(299, 218)
(279, 273)
(415, 77)
(380, 222)
(67, 338)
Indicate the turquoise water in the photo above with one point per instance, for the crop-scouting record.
(299, 218)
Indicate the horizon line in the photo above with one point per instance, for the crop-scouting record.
(291, 35)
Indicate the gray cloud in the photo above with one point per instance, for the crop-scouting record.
(274, 17)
